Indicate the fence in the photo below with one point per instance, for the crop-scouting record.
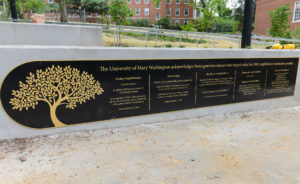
(196, 37)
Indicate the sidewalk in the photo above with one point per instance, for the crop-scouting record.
(243, 148)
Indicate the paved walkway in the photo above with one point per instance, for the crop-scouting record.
(256, 147)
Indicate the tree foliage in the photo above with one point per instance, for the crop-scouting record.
(97, 6)
(119, 11)
(238, 12)
(209, 10)
(36, 6)
(55, 86)
(280, 22)
(24, 6)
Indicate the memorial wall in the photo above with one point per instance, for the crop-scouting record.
(84, 88)
(43, 94)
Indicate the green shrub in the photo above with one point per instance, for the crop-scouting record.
(221, 25)
(188, 27)
(175, 27)
(280, 22)
(169, 45)
(181, 46)
(296, 35)
(137, 23)
(164, 22)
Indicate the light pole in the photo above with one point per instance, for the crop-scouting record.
(247, 24)
(14, 14)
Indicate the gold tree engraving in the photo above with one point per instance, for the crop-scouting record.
(55, 86)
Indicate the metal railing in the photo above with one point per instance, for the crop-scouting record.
(116, 30)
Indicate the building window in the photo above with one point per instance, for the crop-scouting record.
(185, 22)
(169, 11)
(177, 11)
(137, 1)
(186, 1)
(51, 12)
(168, 1)
(177, 1)
(89, 14)
(157, 16)
(186, 11)
(128, 1)
(147, 11)
(146, 1)
(297, 12)
(157, 6)
(50, 1)
(71, 14)
(137, 11)
(177, 22)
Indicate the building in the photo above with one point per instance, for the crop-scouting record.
(262, 17)
(179, 11)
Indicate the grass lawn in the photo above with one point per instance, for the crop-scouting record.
(138, 40)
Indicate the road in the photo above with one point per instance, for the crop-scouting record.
(244, 148)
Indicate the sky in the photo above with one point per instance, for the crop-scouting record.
(231, 3)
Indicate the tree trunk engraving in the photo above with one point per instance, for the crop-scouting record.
(54, 119)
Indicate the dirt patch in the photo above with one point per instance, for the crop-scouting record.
(255, 147)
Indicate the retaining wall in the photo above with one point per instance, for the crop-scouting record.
(12, 56)
(47, 34)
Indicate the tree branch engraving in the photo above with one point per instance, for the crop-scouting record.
(56, 86)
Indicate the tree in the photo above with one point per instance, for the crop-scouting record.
(55, 86)
(23, 6)
(1, 8)
(280, 22)
(119, 11)
(4, 8)
(52, 7)
(207, 9)
(96, 6)
(36, 6)
(63, 10)
(164, 22)
(238, 12)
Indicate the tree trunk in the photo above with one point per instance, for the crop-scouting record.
(55, 120)
(203, 3)
(63, 11)
(82, 15)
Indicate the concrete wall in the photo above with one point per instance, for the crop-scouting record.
(47, 34)
(11, 56)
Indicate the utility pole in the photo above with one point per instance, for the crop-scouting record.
(13, 9)
(247, 24)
